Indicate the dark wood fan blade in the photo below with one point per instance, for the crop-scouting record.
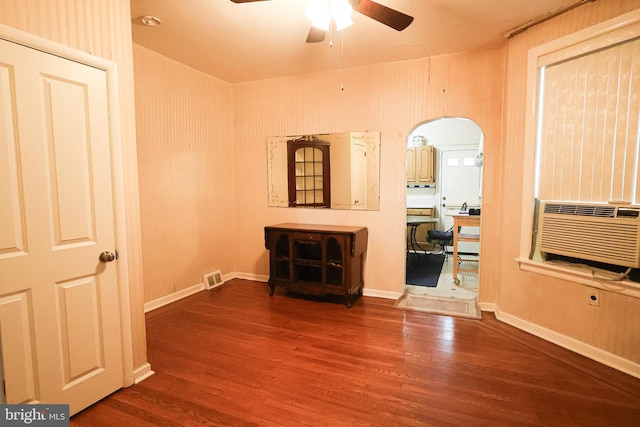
(246, 1)
(316, 35)
(390, 17)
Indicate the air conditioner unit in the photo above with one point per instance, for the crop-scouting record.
(600, 232)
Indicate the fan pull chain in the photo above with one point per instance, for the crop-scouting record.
(342, 63)
(330, 35)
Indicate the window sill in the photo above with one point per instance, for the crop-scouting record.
(579, 275)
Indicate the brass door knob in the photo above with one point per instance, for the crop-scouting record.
(107, 256)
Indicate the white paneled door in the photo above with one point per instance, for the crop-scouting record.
(60, 324)
(460, 179)
(460, 184)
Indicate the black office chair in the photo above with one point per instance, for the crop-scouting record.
(441, 238)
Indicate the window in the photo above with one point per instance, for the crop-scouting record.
(309, 173)
(588, 116)
(582, 139)
(469, 161)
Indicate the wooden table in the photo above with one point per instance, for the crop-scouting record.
(413, 222)
(461, 221)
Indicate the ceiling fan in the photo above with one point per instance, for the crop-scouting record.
(383, 14)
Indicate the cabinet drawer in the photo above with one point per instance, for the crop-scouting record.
(420, 211)
(313, 237)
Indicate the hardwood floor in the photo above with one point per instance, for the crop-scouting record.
(235, 356)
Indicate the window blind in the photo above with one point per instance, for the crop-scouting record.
(588, 136)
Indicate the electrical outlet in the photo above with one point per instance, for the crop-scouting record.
(594, 297)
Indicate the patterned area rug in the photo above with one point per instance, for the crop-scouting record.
(437, 305)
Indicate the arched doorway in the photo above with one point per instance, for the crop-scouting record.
(454, 146)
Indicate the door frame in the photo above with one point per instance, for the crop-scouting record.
(117, 173)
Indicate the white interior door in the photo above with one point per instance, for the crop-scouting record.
(460, 179)
(60, 323)
(460, 183)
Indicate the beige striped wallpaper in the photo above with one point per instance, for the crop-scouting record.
(185, 170)
(186, 156)
(391, 98)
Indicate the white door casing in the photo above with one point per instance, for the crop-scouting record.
(358, 175)
(61, 310)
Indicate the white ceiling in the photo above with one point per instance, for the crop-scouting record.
(261, 40)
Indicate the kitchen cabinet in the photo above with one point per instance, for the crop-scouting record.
(420, 161)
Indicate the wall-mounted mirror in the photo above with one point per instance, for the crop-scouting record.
(299, 171)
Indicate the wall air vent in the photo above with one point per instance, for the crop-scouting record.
(604, 211)
(596, 232)
(212, 280)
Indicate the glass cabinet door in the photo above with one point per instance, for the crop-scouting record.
(309, 174)
(334, 265)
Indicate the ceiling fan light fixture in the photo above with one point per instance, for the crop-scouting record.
(319, 14)
(341, 11)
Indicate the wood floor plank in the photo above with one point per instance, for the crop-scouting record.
(235, 356)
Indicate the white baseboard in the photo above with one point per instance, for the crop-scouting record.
(366, 292)
(381, 294)
(168, 299)
(142, 373)
(487, 306)
(594, 353)
(263, 278)
(183, 293)
(248, 276)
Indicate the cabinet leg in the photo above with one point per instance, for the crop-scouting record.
(271, 289)
(348, 298)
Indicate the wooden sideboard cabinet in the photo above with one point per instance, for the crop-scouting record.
(317, 259)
